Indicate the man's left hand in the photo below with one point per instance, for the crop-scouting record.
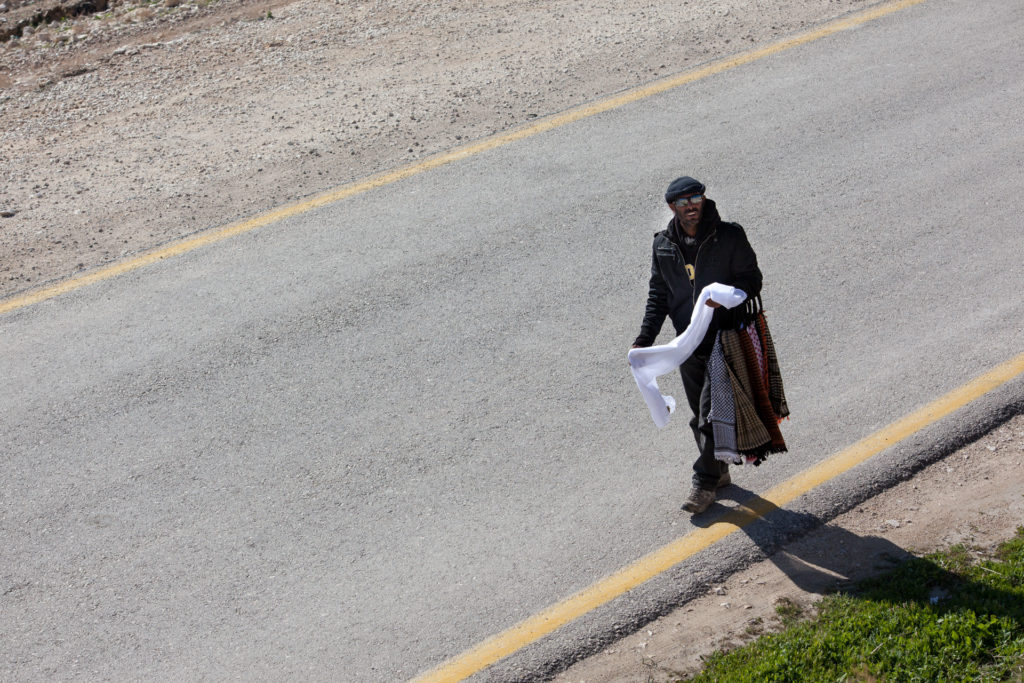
(713, 304)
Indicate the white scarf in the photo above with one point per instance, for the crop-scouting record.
(648, 363)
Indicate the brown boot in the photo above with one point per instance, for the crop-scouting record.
(699, 500)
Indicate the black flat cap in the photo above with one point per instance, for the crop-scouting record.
(682, 187)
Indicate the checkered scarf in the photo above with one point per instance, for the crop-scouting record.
(775, 391)
(757, 388)
(722, 415)
(751, 435)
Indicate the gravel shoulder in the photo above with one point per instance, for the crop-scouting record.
(129, 128)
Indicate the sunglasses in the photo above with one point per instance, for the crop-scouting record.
(683, 201)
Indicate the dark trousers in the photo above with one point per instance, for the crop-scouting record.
(706, 470)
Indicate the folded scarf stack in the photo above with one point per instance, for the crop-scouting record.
(747, 398)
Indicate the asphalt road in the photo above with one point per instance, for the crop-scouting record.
(357, 442)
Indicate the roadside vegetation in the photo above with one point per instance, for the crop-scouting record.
(956, 615)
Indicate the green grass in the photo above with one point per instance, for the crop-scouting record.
(944, 617)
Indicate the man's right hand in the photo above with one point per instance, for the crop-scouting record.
(634, 346)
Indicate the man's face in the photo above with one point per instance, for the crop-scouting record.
(688, 210)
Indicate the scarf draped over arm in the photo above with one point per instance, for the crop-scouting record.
(647, 364)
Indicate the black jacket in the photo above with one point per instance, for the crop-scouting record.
(724, 256)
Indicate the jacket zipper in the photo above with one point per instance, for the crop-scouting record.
(693, 288)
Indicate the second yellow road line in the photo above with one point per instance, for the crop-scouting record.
(473, 149)
(657, 562)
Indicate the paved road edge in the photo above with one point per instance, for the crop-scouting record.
(532, 629)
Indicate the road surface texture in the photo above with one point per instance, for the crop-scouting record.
(356, 442)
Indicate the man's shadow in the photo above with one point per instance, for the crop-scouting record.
(840, 560)
(834, 559)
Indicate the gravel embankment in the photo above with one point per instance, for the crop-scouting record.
(125, 129)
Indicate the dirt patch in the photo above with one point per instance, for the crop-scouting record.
(974, 496)
(131, 127)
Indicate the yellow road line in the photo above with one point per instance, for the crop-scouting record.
(646, 568)
(386, 178)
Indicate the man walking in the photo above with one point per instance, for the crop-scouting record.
(696, 249)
